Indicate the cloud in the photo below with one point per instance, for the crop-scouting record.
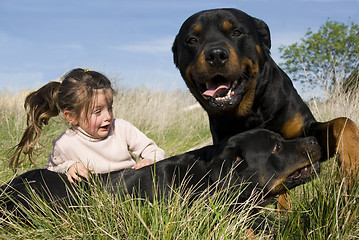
(73, 46)
(283, 39)
(21, 80)
(155, 46)
(287, 37)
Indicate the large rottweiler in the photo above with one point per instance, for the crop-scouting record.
(261, 158)
(224, 57)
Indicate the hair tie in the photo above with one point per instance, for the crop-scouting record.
(87, 70)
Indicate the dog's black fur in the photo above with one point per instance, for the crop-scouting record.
(224, 57)
(261, 158)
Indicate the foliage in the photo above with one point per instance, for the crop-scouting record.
(323, 58)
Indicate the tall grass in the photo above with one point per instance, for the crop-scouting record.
(101, 215)
(163, 117)
(322, 209)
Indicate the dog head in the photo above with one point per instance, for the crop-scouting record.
(267, 161)
(219, 54)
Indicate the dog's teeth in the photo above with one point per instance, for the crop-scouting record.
(227, 97)
(222, 98)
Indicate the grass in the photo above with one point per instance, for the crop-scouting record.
(100, 215)
(322, 209)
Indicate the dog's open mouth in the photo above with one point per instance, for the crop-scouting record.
(302, 175)
(296, 178)
(219, 91)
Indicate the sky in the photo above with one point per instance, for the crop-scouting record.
(130, 41)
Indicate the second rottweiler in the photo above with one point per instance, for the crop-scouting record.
(224, 57)
(260, 158)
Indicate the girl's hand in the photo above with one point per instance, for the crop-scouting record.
(143, 163)
(76, 170)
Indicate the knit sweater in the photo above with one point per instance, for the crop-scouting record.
(102, 155)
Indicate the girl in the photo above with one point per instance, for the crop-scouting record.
(95, 142)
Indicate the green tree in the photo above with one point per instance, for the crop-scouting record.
(323, 58)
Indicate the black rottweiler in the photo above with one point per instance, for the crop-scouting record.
(261, 158)
(224, 57)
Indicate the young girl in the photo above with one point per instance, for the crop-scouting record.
(96, 142)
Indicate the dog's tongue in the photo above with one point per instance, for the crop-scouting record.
(214, 91)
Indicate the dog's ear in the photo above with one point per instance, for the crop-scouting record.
(228, 157)
(219, 169)
(174, 52)
(226, 173)
(264, 33)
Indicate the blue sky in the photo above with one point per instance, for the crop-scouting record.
(130, 41)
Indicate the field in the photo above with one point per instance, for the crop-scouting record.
(322, 209)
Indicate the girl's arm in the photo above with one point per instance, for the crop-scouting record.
(62, 163)
(140, 145)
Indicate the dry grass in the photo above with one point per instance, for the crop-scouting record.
(163, 117)
(339, 105)
(323, 209)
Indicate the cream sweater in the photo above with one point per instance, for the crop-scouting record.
(102, 155)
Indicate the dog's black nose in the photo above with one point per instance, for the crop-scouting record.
(217, 56)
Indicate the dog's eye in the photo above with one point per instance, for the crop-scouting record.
(276, 148)
(192, 40)
(236, 33)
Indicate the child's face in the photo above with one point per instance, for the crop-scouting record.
(100, 115)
